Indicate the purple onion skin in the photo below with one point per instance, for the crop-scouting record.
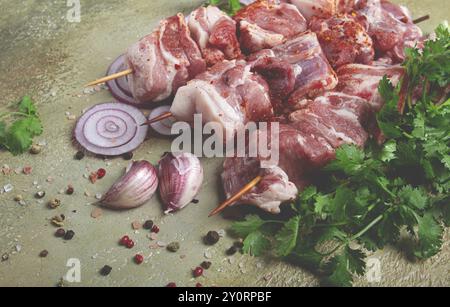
(134, 189)
(180, 177)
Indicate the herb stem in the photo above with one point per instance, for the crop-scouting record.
(6, 114)
(367, 228)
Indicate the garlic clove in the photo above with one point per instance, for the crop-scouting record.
(180, 177)
(134, 189)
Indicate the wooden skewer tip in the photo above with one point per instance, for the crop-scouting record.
(237, 196)
(111, 77)
(158, 118)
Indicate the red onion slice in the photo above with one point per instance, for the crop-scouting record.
(163, 127)
(120, 88)
(111, 129)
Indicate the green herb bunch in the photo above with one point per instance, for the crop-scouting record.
(369, 197)
(18, 128)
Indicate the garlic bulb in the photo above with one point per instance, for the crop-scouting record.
(180, 177)
(134, 189)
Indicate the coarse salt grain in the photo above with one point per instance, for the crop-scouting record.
(8, 188)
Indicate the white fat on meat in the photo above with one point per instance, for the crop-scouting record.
(228, 94)
(273, 190)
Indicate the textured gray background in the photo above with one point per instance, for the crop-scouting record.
(43, 55)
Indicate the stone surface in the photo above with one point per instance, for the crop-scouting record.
(45, 56)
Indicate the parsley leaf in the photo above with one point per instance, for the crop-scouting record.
(255, 244)
(251, 224)
(286, 238)
(430, 237)
(231, 7)
(18, 136)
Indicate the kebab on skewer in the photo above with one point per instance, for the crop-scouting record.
(394, 57)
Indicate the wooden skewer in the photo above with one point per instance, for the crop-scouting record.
(421, 19)
(111, 77)
(237, 196)
(158, 118)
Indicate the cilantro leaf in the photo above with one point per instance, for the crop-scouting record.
(286, 238)
(388, 151)
(412, 197)
(430, 237)
(27, 106)
(231, 7)
(255, 244)
(251, 224)
(349, 160)
(18, 137)
(337, 273)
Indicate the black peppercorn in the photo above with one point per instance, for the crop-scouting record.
(70, 190)
(79, 155)
(69, 235)
(212, 238)
(43, 254)
(148, 225)
(173, 247)
(106, 270)
(231, 251)
(206, 265)
(40, 194)
(128, 156)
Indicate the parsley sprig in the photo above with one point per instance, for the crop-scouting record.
(231, 7)
(19, 127)
(368, 198)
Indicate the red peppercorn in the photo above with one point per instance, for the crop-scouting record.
(155, 229)
(171, 285)
(101, 173)
(198, 272)
(130, 244)
(138, 259)
(198, 285)
(124, 240)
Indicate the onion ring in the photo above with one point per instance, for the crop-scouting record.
(163, 127)
(119, 87)
(111, 129)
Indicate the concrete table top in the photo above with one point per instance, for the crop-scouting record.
(44, 55)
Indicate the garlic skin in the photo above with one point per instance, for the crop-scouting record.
(134, 189)
(180, 177)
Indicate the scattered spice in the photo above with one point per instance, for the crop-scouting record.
(18, 198)
(198, 285)
(8, 188)
(79, 155)
(39, 194)
(195, 201)
(96, 213)
(43, 254)
(231, 251)
(148, 225)
(5, 257)
(155, 229)
(173, 247)
(138, 259)
(198, 271)
(136, 225)
(93, 177)
(70, 190)
(35, 149)
(130, 244)
(101, 173)
(128, 156)
(27, 170)
(69, 235)
(106, 270)
(60, 233)
(206, 265)
(124, 240)
(58, 221)
(153, 236)
(171, 285)
(54, 203)
(212, 238)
